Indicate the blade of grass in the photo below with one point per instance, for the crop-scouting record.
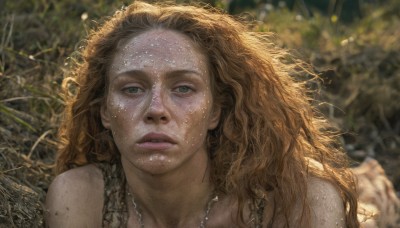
(9, 113)
(38, 141)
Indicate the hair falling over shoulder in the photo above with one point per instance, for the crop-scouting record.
(268, 132)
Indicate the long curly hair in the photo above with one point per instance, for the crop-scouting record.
(268, 130)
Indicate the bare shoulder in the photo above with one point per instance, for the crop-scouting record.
(75, 198)
(326, 204)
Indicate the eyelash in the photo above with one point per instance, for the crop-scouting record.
(177, 89)
(189, 89)
(126, 89)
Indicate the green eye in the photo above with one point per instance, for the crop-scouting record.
(132, 89)
(183, 89)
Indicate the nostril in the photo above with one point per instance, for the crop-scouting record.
(154, 118)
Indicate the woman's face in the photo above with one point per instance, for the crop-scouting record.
(159, 105)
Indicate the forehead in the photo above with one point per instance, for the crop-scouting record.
(158, 46)
(157, 38)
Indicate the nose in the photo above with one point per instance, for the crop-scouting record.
(157, 111)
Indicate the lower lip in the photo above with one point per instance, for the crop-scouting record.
(155, 145)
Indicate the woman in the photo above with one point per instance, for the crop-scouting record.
(182, 118)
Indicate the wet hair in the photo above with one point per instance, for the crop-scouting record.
(268, 131)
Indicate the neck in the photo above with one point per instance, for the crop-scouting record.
(176, 198)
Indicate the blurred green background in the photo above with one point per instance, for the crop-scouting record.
(353, 44)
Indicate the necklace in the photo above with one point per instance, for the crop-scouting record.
(202, 223)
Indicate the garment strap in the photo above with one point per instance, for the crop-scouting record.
(115, 212)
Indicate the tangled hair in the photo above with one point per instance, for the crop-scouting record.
(268, 130)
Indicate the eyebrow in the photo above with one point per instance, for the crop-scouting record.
(170, 74)
(182, 72)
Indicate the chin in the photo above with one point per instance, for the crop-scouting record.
(155, 165)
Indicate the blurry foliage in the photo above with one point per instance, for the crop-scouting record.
(360, 66)
(359, 63)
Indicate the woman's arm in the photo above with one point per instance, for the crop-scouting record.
(75, 199)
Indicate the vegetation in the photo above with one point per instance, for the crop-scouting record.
(358, 62)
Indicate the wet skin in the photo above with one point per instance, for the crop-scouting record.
(159, 105)
(159, 108)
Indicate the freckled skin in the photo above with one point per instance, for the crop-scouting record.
(159, 82)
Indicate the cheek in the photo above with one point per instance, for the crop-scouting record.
(118, 111)
(196, 120)
(122, 120)
(123, 109)
(121, 123)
